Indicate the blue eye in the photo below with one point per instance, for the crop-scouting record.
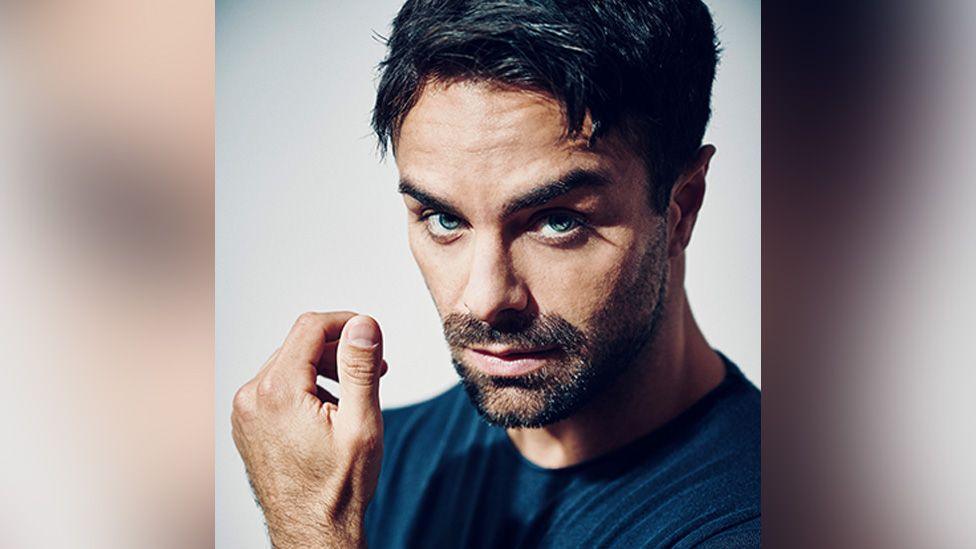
(557, 224)
(448, 222)
(442, 224)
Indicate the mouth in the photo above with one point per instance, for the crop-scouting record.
(509, 362)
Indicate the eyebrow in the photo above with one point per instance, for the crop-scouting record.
(539, 196)
(567, 183)
(407, 187)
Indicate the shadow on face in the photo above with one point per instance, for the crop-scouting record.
(507, 213)
(514, 223)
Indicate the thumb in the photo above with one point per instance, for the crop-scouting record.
(360, 361)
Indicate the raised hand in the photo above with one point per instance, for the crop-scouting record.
(313, 461)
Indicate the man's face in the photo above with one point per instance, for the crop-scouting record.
(544, 259)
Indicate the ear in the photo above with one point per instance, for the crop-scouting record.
(687, 196)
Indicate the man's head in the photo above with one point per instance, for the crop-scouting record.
(550, 158)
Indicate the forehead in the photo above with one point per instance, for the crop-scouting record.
(487, 143)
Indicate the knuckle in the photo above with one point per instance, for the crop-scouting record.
(272, 395)
(307, 319)
(269, 392)
(360, 369)
(328, 410)
(266, 387)
(244, 402)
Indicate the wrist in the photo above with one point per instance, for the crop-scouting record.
(324, 537)
(292, 532)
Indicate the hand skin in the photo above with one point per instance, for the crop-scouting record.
(313, 462)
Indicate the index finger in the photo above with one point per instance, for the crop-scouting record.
(303, 347)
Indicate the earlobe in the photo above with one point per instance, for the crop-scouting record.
(687, 197)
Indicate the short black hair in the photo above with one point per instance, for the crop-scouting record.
(645, 67)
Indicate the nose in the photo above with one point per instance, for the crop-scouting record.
(493, 288)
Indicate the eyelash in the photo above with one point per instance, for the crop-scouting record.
(570, 237)
(426, 219)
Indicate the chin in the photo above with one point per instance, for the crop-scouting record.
(524, 402)
(512, 407)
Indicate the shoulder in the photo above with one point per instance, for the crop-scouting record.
(724, 453)
(727, 421)
(743, 534)
(694, 481)
(418, 439)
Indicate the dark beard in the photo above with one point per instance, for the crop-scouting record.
(587, 362)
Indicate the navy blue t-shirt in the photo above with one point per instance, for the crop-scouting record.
(449, 479)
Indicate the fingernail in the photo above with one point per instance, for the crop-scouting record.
(363, 332)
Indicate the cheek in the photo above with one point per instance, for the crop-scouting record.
(576, 283)
(442, 268)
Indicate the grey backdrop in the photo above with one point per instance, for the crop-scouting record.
(307, 218)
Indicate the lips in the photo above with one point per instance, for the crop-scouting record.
(507, 362)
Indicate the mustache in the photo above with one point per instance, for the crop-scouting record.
(462, 330)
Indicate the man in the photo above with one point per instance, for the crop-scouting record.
(550, 158)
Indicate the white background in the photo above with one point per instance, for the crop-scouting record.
(307, 218)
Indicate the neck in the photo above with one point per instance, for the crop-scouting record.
(676, 369)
